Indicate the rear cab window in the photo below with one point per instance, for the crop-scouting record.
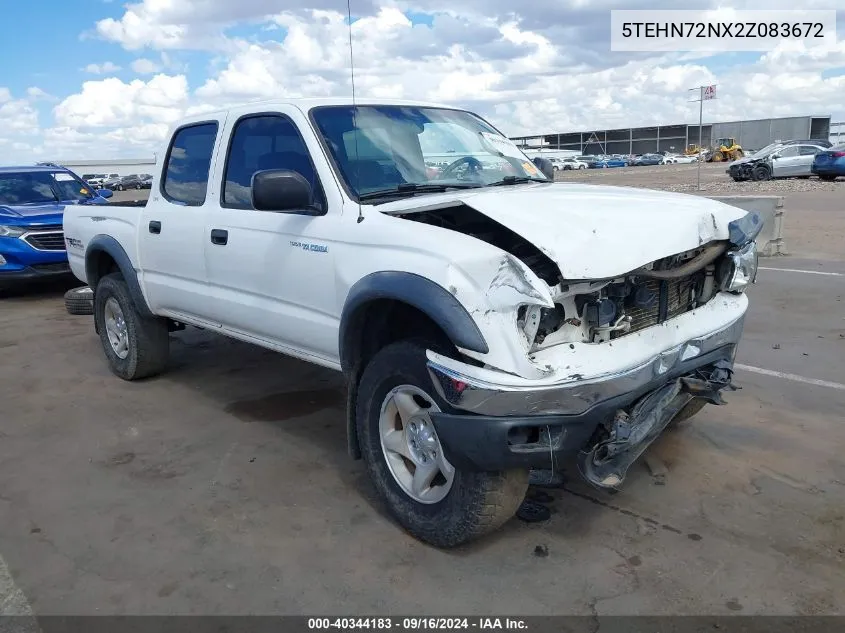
(188, 163)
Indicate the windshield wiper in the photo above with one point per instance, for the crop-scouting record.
(412, 188)
(516, 180)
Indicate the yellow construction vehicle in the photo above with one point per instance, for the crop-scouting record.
(725, 149)
(692, 150)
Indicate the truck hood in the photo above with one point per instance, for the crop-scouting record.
(31, 214)
(592, 231)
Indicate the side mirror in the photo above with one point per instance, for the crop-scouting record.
(775, 156)
(104, 193)
(545, 166)
(282, 191)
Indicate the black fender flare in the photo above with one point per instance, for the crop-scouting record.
(107, 244)
(428, 297)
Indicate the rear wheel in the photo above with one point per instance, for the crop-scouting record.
(135, 346)
(435, 501)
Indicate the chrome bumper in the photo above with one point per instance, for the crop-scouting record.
(576, 396)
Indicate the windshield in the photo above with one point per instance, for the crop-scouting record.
(390, 146)
(41, 187)
(765, 151)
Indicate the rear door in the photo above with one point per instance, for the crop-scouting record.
(806, 156)
(172, 230)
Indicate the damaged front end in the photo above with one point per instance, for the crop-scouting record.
(619, 443)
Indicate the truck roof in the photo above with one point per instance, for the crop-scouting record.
(307, 103)
(35, 168)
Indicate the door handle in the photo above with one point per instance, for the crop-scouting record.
(155, 226)
(219, 236)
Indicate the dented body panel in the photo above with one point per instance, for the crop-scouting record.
(592, 231)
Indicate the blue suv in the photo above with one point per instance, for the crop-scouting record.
(32, 201)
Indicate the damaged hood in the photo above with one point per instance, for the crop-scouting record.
(592, 231)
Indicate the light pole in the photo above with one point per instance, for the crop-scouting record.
(705, 93)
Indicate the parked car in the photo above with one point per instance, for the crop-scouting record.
(132, 181)
(776, 161)
(568, 164)
(111, 182)
(830, 163)
(610, 161)
(683, 159)
(648, 159)
(32, 201)
(97, 180)
(147, 182)
(488, 321)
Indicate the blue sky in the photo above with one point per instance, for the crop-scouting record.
(531, 68)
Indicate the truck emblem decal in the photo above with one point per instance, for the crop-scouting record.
(307, 246)
(73, 242)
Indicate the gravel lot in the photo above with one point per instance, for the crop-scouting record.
(223, 486)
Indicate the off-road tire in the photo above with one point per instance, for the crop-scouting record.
(149, 340)
(478, 502)
(79, 301)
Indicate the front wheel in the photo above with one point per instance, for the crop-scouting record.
(761, 172)
(435, 501)
(135, 346)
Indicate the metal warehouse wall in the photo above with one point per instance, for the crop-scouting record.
(119, 167)
(757, 134)
(752, 134)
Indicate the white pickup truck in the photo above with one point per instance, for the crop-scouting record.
(489, 321)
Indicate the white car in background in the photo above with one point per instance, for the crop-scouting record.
(681, 159)
(567, 164)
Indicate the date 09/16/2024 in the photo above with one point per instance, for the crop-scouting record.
(417, 623)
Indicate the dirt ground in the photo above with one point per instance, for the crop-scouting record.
(223, 486)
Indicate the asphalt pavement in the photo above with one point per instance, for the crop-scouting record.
(223, 486)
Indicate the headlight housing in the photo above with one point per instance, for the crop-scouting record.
(739, 268)
(11, 231)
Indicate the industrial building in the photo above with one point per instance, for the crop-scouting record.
(751, 135)
(119, 166)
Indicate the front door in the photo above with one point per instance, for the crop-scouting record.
(271, 275)
(786, 164)
(170, 238)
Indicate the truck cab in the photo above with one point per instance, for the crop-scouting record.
(488, 320)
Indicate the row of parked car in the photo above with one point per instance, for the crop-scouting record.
(791, 159)
(618, 160)
(116, 182)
